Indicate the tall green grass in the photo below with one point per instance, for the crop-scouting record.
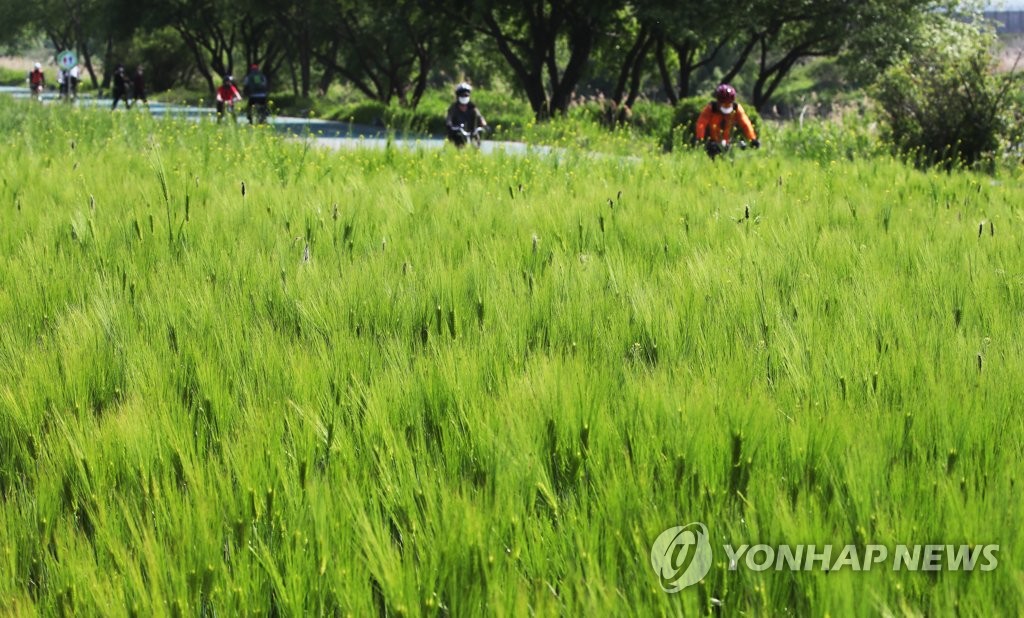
(495, 380)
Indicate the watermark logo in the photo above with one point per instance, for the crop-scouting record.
(681, 556)
(856, 558)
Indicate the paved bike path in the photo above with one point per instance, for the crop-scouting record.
(329, 133)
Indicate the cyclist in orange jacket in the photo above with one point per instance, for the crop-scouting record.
(715, 123)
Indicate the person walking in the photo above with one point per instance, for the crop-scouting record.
(73, 76)
(139, 86)
(120, 91)
(63, 83)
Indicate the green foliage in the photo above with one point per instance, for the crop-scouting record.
(387, 49)
(941, 102)
(368, 112)
(684, 120)
(503, 113)
(848, 135)
(165, 60)
(817, 85)
(645, 118)
(12, 77)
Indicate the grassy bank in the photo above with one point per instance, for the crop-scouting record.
(239, 375)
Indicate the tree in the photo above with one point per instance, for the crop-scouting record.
(297, 22)
(621, 61)
(220, 32)
(387, 50)
(547, 43)
(941, 101)
(80, 25)
(785, 33)
(889, 31)
(15, 21)
(687, 37)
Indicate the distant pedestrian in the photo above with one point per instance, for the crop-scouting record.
(73, 81)
(139, 86)
(63, 83)
(120, 91)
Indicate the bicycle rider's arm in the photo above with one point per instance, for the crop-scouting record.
(480, 122)
(449, 119)
(745, 124)
(702, 121)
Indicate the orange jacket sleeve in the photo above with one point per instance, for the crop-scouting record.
(744, 122)
(703, 120)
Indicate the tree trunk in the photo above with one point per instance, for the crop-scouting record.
(529, 78)
(108, 62)
(742, 60)
(666, 77)
(628, 65)
(685, 53)
(87, 63)
(581, 41)
(638, 68)
(305, 70)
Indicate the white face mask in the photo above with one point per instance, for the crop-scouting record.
(464, 100)
(725, 109)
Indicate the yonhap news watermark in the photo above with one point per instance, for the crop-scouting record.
(682, 556)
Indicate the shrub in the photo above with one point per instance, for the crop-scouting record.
(501, 112)
(848, 134)
(941, 102)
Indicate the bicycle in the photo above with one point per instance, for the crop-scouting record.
(460, 136)
(226, 109)
(715, 149)
(258, 111)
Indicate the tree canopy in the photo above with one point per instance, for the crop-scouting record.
(550, 50)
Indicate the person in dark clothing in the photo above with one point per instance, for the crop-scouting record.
(139, 86)
(63, 83)
(73, 77)
(463, 118)
(120, 91)
(256, 89)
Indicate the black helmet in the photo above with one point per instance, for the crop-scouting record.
(463, 90)
(228, 79)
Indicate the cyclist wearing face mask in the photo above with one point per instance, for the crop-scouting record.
(463, 118)
(717, 119)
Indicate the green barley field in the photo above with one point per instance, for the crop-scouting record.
(245, 376)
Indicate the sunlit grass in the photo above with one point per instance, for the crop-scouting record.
(444, 383)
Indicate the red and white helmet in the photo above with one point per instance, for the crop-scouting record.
(725, 94)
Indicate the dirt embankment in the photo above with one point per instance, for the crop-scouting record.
(1012, 55)
(24, 63)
